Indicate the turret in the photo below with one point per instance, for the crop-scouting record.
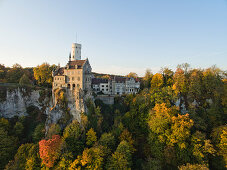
(76, 52)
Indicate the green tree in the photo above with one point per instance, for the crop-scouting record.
(121, 158)
(219, 138)
(25, 81)
(18, 129)
(167, 76)
(72, 135)
(108, 140)
(3, 72)
(147, 78)
(8, 145)
(91, 137)
(14, 74)
(39, 132)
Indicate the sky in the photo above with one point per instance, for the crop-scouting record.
(117, 36)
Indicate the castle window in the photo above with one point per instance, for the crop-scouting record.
(78, 78)
(68, 86)
(74, 86)
(72, 78)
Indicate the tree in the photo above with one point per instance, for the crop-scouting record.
(147, 78)
(3, 72)
(132, 74)
(43, 73)
(180, 130)
(8, 145)
(121, 158)
(18, 129)
(72, 137)
(201, 147)
(39, 132)
(107, 139)
(54, 129)
(91, 137)
(26, 157)
(219, 138)
(181, 86)
(25, 81)
(49, 150)
(92, 158)
(157, 81)
(193, 167)
(14, 74)
(167, 76)
(127, 136)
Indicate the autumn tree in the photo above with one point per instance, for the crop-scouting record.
(49, 150)
(132, 74)
(92, 158)
(181, 86)
(157, 81)
(189, 166)
(43, 73)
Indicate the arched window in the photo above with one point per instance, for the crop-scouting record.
(68, 86)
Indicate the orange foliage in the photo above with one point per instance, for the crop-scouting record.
(49, 150)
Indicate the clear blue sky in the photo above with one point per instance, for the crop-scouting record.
(117, 36)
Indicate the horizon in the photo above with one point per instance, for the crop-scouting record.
(117, 37)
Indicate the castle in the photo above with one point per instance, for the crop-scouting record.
(76, 75)
(77, 79)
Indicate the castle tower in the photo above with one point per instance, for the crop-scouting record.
(76, 52)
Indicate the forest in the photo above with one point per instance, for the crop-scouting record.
(176, 121)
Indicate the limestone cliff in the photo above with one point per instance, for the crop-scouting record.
(15, 101)
(60, 106)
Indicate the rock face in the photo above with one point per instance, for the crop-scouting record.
(16, 101)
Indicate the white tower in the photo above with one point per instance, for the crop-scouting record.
(76, 52)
